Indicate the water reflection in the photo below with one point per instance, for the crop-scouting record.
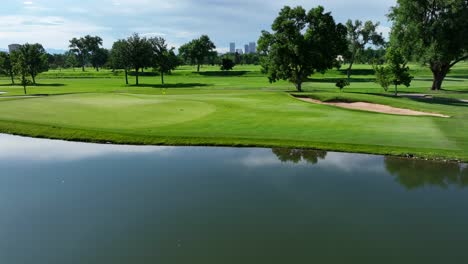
(413, 173)
(64, 202)
(298, 155)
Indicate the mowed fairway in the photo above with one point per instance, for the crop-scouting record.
(104, 110)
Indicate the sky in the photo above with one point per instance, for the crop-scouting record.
(54, 22)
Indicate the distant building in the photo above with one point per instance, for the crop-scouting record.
(240, 51)
(252, 47)
(246, 49)
(13, 47)
(232, 47)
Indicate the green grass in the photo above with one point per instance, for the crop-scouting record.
(239, 108)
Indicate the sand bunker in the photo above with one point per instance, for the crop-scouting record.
(378, 108)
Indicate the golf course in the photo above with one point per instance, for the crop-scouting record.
(241, 108)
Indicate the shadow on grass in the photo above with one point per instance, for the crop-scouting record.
(35, 85)
(171, 85)
(222, 74)
(334, 80)
(144, 74)
(427, 100)
(358, 71)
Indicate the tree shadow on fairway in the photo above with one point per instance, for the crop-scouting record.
(448, 79)
(358, 72)
(334, 80)
(144, 74)
(172, 85)
(222, 74)
(427, 100)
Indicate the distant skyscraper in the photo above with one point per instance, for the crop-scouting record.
(252, 47)
(246, 49)
(232, 47)
(13, 47)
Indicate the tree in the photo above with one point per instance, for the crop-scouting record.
(342, 84)
(140, 53)
(21, 66)
(36, 58)
(359, 36)
(398, 68)
(396, 73)
(120, 57)
(197, 50)
(301, 44)
(71, 60)
(6, 66)
(227, 64)
(99, 58)
(85, 47)
(164, 59)
(383, 76)
(433, 31)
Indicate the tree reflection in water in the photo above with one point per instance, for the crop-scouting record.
(414, 174)
(297, 155)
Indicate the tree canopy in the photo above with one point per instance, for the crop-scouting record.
(359, 36)
(139, 53)
(6, 65)
(164, 58)
(85, 47)
(36, 59)
(432, 31)
(197, 50)
(301, 43)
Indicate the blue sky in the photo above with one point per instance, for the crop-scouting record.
(54, 22)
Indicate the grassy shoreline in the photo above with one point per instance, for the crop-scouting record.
(239, 109)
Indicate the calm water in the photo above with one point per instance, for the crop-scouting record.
(63, 202)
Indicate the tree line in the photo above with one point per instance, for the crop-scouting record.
(301, 43)
(432, 32)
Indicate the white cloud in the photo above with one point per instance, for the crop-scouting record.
(50, 31)
(31, 149)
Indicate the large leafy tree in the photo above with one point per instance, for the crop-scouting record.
(140, 53)
(359, 36)
(36, 58)
(6, 66)
(301, 43)
(164, 59)
(197, 50)
(85, 47)
(99, 58)
(120, 57)
(21, 66)
(396, 72)
(433, 31)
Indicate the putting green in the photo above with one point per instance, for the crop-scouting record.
(105, 111)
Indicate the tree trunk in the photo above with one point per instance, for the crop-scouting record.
(82, 68)
(12, 77)
(349, 69)
(97, 69)
(396, 90)
(24, 88)
(439, 72)
(136, 76)
(126, 76)
(198, 67)
(299, 86)
(33, 78)
(162, 78)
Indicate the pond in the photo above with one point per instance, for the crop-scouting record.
(65, 202)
